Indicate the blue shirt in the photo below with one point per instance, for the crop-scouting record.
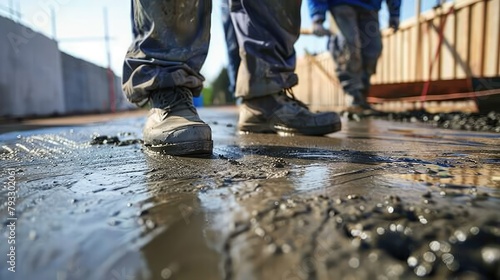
(318, 8)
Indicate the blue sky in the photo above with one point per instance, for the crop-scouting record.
(79, 25)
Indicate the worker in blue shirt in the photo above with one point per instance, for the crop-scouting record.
(357, 45)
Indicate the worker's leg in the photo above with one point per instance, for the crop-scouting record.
(162, 65)
(346, 51)
(267, 31)
(232, 49)
(371, 46)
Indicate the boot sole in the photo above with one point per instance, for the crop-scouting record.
(255, 128)
(195, 148)
(290, 131)
(310, 131)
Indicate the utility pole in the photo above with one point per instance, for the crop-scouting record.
(54, 23)
(111, 75)
(11, 7)
(106, 36)
(12, 11)
(19, 10)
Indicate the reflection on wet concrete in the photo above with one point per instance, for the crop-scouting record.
(378, 200)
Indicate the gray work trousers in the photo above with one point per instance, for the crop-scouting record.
(171, 39)
(356, 48)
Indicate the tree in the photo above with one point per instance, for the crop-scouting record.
(221, 94)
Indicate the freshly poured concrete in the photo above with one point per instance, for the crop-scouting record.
(378, 200)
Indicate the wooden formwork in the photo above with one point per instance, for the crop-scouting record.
(459, 41)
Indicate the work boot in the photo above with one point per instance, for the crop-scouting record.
(358, 99)
(284, 114)
(360, 106)
(173, 126)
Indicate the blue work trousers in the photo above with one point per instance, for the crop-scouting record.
(356, 48)
(171, 39)
(233, 51)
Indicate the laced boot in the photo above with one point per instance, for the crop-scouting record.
(173, 126)
(284, 114)
(360, 106)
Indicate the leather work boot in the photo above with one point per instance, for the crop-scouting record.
(360, 110)
(284, 114)
(173, 126)
(360, 106)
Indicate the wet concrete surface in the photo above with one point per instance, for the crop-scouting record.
(378, 200)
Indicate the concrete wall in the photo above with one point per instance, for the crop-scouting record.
(121, 101)
(36, 79)
(86, 87)
(30, 72)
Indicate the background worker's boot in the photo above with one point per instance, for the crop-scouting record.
(360, 106)
(284, 114)
(173, 126)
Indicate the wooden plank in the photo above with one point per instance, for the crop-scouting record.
(328, 85)
(426, 50)
(498, 45)
(491, 39)
(385, 60)
(476, 48)
(465, 3)
(398, 57)
(389, 59)
(406, 47)
(336, 94)
(435, 47)
(448, 49)
(417, 55)
(488, 98)
(394, 59)
(397, 90)
(462, 43)
(413, 43)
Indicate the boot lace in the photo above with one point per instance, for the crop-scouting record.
(290, 97)
(180, 95)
